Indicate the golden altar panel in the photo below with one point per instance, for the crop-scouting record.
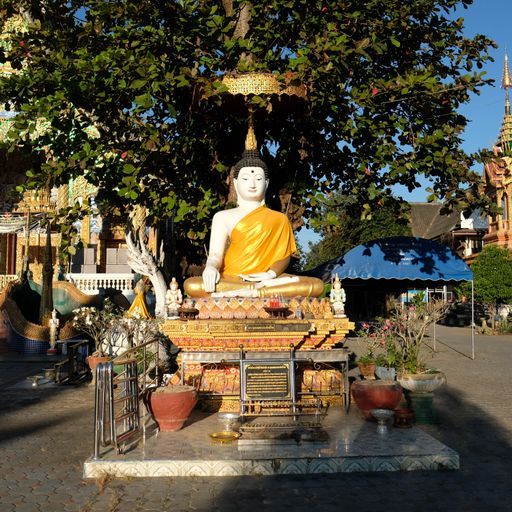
(256, 334)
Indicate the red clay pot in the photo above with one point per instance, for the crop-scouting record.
(376, 394)
(171, 406)
(94, 361)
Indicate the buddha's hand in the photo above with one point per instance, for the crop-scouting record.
(259, 276)
(211, 276)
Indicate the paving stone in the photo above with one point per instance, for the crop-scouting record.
(46, 436)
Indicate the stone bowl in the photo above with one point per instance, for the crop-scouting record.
(421, 382)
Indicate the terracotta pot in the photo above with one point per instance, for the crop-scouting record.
(376, 394)
(421, 382)
(94, 361)
(367, 370)
(171, 406)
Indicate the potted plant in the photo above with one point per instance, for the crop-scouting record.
(371, 341)
(102, 326)
(367, 365)
(379, 349)
(386, 365)
(409, 329)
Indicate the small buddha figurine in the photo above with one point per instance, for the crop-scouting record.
(173, 300)
(337, 298)
(260, 240)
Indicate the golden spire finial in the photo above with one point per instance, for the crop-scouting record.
(250, 141)
(505, 137)
(506, 81)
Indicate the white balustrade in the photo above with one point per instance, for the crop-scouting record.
(91, 283)
(4, 279)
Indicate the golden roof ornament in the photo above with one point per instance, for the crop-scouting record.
(250, 140)
(506, 81)
(505, 136)
(263, 84)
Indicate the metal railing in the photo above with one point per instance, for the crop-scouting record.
(121, 385)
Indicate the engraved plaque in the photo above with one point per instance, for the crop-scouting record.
(260, 327)
(267, 381)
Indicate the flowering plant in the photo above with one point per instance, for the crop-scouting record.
(397, 342)
(100, 325)
(410, 326)
(374, 338)
(114, 333)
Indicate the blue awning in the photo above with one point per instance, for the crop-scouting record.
(401, 258)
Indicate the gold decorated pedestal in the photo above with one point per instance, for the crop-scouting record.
(211, 349)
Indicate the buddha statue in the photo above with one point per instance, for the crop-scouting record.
(259, 244)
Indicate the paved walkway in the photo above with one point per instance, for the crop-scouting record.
(46, 434)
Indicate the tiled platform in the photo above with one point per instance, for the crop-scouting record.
(354, 446)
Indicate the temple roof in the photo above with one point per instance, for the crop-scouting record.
(428, 222)
(505, 136)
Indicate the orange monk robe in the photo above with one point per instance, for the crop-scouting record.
(260, 239)
(138, 309)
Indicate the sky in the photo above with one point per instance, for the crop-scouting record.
(492, 18)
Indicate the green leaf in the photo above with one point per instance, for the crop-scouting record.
(138, 84)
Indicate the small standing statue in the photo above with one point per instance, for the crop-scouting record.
(139, 309)
(54, 327)
(173, 300)
(337, 298)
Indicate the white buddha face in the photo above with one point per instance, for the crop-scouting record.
(251, 184)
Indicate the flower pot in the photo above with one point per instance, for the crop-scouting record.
(367, 370)
(421, 382)
(376, 394)
(94, 361)
(171, 406)
(384, 373)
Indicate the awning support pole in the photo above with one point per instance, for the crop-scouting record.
(473, 319)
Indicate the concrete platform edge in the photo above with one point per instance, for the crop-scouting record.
(449, 460)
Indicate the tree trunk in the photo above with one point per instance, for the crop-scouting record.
(492, 311)
(46, 305)
(241, 24)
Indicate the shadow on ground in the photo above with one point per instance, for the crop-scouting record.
(483, 482)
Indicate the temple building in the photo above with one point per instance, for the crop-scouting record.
(498, 176)
(22, 227)
(467, 235)
(462, 232)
